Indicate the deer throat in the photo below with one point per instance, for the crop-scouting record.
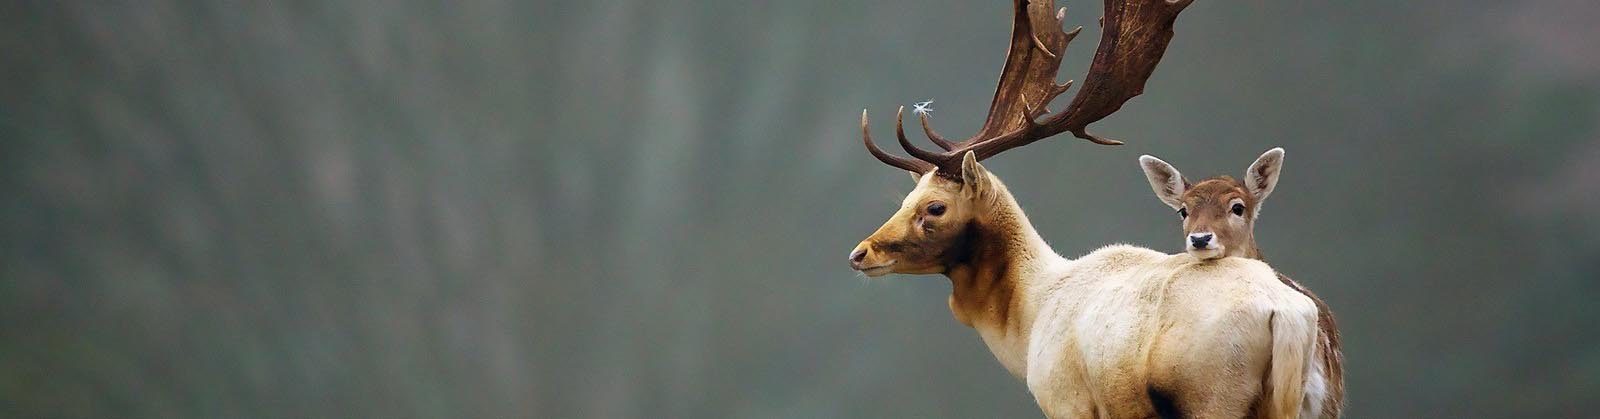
(983, 275)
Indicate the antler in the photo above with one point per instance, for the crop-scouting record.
(1133, 37)
(913, 165)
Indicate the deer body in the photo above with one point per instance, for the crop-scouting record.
(1131, 332)
(1219, 216)
(1123, 331)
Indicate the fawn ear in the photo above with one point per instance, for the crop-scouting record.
(1164, 180)
(1262, 175)
(974, 178)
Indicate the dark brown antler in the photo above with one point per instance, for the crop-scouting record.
(913, 165)
(1134, 35)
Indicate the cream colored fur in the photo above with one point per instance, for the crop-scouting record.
(1122, 319)
(1094, 336)
(1321, 398)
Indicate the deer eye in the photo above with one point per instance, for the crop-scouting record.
(1238, 209)
(1183, 213)
(936, 209)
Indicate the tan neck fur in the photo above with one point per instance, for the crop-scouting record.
(1251, 250)
(991, 281)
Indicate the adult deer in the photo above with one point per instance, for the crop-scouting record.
(1219, 217)
(1122, 331)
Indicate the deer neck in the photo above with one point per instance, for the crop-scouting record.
(1251, 251)
(991, 274)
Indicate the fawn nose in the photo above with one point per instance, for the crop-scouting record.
(1200, 240)
(857, 256)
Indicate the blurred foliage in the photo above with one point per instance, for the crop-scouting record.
(641, 209)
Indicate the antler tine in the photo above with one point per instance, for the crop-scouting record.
(1095, 138)
(917, 166)
(1044, 105)
(1040, 45)
(900, 134)
(927, 129)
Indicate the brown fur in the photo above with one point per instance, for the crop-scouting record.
(981, 288)
(1327, 348)
(1209, 205)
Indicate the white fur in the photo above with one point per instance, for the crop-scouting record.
(1316, 390)
(1118, 319)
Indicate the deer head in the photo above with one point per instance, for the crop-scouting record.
(1219, 214)
(934, 227)
(954, 196)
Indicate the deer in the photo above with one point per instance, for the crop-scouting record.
(1218, 217)
(1122, 331)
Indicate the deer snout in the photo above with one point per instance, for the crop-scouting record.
(1206, 246)
(868, 261)
(1200, 241)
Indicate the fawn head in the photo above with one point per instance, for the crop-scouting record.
(1218, 213)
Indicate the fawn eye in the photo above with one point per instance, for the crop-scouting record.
(936, 209)
(1238, 209)
(1183, 213)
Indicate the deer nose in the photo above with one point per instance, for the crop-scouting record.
(857, 256)
(1200, 240)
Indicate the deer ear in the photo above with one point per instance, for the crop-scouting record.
(1165, 180)
(915, 177)
(973, 176)
(1262, 175)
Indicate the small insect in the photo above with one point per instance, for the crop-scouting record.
(923, 108)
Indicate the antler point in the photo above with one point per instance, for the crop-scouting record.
(1080, 133)
(1040, 44)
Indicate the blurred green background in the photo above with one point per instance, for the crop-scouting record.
(642, 209)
